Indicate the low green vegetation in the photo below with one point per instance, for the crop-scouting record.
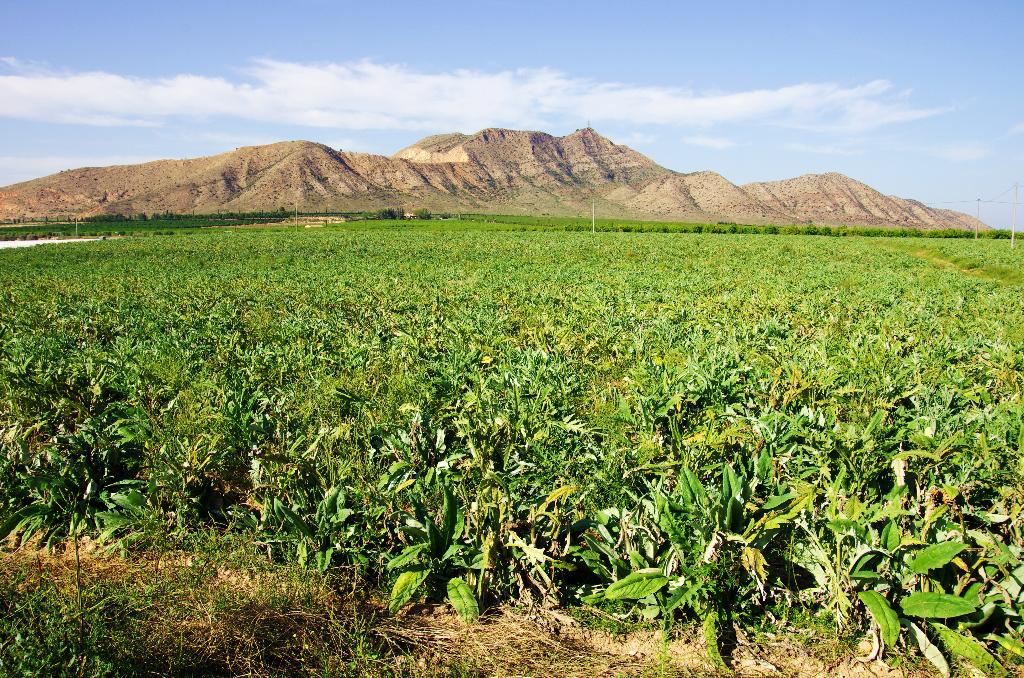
(390, 217)
(120, 227)
(657, 428)
(635, 226)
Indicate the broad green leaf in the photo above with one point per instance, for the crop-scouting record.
(110, 523)
(452, 551)
(292, 518)
(435, 537)
(10, 526)
(891, 537)
(405, 588)
(778, 500)
(886, 618)
(330, 503)
(460, 595)
(928, 605)
(710, 627)
(928, 648)
(730, 481)
(866, 566)
(692, 490)
(636, 585)
(406, 556)
(765, 467)
(970, 649)
(133, 499)
(732, 489)
(323, 559)
(935, 556)
(450, 519)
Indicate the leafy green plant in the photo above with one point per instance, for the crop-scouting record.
(317, 535)
(435, 557)
(693, 548)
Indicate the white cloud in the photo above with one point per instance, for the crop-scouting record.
(636, 139)
(1018, 128)
(222, 139)
(717, 143)
(964, 152)
(824, 149)
(371, 95)
(355, 145)
(15, 168)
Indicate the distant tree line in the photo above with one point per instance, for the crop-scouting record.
(400, 213)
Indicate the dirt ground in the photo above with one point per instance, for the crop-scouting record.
(506, 642)
(511, 643)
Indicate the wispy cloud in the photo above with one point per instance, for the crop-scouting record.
(841, 149)
(636, 139)
(371, 95)
(351, 144)
(963, 152)
(21, 168)
(1018, 128)
(229, 138)
(716, 143)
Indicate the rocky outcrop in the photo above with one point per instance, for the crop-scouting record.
(493, 171)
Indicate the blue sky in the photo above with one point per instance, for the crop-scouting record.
(918, 99)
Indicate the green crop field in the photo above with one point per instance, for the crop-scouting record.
(735, 434)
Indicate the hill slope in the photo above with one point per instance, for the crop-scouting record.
(494, 170)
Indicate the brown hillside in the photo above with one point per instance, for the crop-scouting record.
(494, 170)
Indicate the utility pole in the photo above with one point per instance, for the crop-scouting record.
(977, 219)
(1013, 223)
(593, 214)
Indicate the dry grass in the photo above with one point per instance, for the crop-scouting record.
(186, 615)
(511, 643)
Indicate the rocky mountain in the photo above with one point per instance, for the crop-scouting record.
(494, 171)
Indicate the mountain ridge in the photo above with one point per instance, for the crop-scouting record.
(495, 170)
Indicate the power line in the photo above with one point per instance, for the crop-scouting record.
(964, 202)
(994, 198)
